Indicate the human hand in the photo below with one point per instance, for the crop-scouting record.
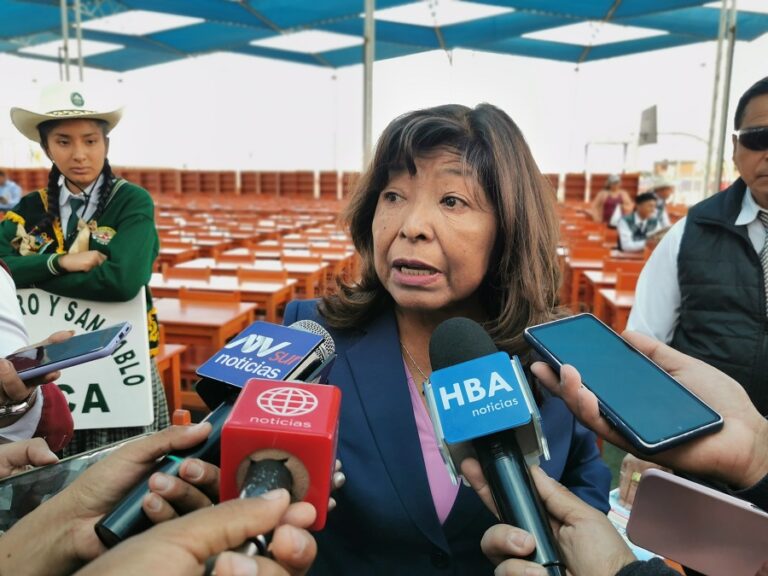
(59, 535)
(196, 486)
(14, 390)
(183, 546)
(737, 454)
(17, 456)
(81, 261)
(590, 544)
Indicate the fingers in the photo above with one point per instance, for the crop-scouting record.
(301, 514)
(60, 336)
(150, 448)
(15, 455)
(502, 541)
(564, 506)
(13, 388)
(210, 531)
(515, 567)
(579, 400)
(294, 548)
(473, 473)
(197, 487)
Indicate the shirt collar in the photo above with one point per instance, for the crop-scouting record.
(65, 194)
(749, 210)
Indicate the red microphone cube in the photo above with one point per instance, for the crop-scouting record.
(292, 417)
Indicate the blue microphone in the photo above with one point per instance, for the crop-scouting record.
(477, 395)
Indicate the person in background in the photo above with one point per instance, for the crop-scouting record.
(703, 289)
(735, 459)
(663, 190)
(452, 218)
(635, 228)
(10, 192)
(610, 199)
(88, 234)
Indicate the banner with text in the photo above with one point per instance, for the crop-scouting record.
(111, 392)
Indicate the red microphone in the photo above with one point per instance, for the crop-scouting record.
(276, 427)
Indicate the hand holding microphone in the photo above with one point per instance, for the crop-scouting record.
(590, 544)
(475, 394)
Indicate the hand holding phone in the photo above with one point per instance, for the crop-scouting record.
(647, 406)
(737, 455)
(50, 356)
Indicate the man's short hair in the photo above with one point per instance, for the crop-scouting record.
(757, 89)
(645, 197)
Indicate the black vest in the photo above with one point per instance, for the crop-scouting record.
(722, 296)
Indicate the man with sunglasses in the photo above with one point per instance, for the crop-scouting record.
(705, 287)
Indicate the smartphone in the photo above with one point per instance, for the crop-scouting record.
(650, 408)
(22, 493)
(701, 528)
(44, 358)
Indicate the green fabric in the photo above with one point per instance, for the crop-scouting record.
(131, 252)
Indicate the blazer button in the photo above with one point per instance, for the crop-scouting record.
(440, 559)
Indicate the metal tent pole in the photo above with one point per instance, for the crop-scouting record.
(369, 55)
(715, 90)
(65, 37)
(726, 94)
(79, 36)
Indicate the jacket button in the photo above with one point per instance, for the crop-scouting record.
(440, 559)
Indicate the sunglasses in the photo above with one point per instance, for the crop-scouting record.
(753, 138)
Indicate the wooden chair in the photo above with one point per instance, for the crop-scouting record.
(168, 359)
(312, 259)
(248, 258)
(589, 253)
(222, 296)
(173, 272)
(626, 281)
(614, 264)
(251, 275)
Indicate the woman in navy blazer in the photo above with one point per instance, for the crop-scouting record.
(452, 218)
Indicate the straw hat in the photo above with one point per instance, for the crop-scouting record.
(613, 179)
(662, 182)
(65, 101)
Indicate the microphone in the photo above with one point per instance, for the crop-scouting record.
(476, 394)
(303, 350)
(282, 435)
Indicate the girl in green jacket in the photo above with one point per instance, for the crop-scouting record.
(89, 234)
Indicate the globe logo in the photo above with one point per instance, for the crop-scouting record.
(287, 401)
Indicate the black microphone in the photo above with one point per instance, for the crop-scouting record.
(302, 351)
(477, 394)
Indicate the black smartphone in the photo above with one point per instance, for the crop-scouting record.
(649, 407)
(43, 359)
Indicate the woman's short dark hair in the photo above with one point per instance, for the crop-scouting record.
(521, 285)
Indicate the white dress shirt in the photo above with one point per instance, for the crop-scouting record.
(91, 201)
(627, 241)
(13, 335)
(657, 297)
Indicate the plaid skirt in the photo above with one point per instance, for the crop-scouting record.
(84, 440)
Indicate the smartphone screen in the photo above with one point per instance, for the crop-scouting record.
(22, 493)
(39, 360)
(652, 409)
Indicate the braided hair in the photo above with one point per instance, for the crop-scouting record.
(55, 175)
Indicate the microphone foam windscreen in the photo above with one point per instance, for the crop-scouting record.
(458, 340)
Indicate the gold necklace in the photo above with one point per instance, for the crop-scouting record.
(414, 362)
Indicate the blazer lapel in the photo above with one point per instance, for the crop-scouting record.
(377, 369)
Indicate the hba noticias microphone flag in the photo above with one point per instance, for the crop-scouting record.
(478, 398)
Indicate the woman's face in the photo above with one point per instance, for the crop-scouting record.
(78, 148)
(433, 234)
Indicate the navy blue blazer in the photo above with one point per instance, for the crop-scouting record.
(385, 521)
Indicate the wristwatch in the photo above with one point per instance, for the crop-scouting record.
(20, 408)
